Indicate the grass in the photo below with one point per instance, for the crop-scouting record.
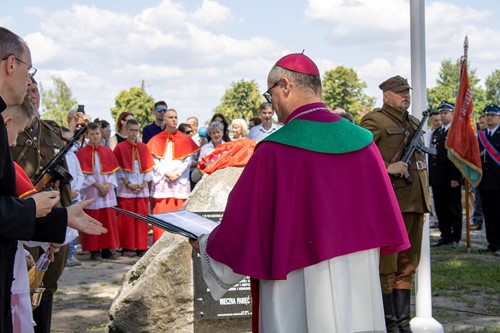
(466, 290)
(99, 327)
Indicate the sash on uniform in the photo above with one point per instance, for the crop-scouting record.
(490, 149)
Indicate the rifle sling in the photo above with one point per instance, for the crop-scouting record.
(27, 144)
(405, 140)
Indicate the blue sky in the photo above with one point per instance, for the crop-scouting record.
(189, 52)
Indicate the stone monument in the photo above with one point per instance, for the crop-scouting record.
(157, 293)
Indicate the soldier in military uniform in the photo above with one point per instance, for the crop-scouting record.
(35, 148)
(393, 129)
(489, 188)
(445, 179)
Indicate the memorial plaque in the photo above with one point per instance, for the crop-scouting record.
(236, 303)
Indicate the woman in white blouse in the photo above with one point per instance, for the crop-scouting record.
(215, 131)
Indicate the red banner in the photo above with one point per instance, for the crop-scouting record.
(462, 142)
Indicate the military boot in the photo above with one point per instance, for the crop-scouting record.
(402, 299)
(391, 323)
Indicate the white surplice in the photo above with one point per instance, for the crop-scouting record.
(88, 191)
(162, 188)
(340, 295)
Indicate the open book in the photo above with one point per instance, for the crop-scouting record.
(180, 222)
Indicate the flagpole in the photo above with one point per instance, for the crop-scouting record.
(466, 184)
(423, 321)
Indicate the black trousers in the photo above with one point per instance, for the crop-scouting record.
(490, 199)
(448, 204)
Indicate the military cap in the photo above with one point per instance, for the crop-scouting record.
(396, 84)
(300, 63)
(445, 106)
(492, 109)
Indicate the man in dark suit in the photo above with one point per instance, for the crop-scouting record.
(489, 188)
(445, 180)
(33, 218)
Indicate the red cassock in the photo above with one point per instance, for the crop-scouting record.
(182, 147)
(133, 233)
(24, 187)
(107, 216)
(108, 162)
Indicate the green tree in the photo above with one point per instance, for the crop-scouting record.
(493, 87)
(447, 86)
(342, 87)
(58, 102)
(242, 100)
(137, 102)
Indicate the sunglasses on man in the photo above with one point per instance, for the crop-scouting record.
(161, 110)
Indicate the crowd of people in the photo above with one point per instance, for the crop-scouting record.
(157, 162)
(305, 238)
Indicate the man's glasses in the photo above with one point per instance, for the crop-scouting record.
(188, 132)
(267, 94)
(160, 110)
(31, 70)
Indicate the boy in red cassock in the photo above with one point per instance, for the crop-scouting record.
(136, 170)
(99, 167)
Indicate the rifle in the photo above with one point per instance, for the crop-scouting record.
(417, 145)
(54, 170)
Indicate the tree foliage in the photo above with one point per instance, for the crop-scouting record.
(342, 87)
(58, 102)
(242, 100)
(492, 84)
(447, 86)
(136, 101)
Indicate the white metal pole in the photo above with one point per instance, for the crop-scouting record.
(423, 322)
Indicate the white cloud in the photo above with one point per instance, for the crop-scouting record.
(359, 17)
(211, 12)
(382, 30)
(168, 46)
(188, 52)
(43, 48)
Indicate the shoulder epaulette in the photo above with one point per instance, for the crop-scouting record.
(50, 123)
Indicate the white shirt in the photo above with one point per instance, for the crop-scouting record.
(491, 131)
(207, 149)
(259, 133)
(75, 171)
